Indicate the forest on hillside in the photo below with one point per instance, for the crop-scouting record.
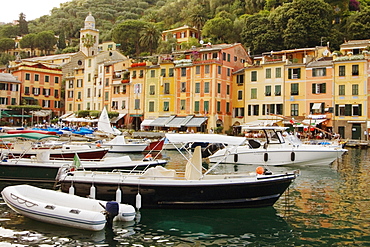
(260, 25)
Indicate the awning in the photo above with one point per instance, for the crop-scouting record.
(116, 119)
(176, 122)
(41, 113)
(160, 122)
(196, 122)
(313, 121)
(263, 122)
(81, 120)
(28, 98)
(146, 122)
(21, 115)
(66, 115)
(316, 106)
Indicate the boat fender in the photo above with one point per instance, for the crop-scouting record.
(292, 156)
(92, 192)
(118, 195)
(138, 201)
(148, 157)
(71, 190)
(260, 170)
(112, 209)
(265, 157)
(236, 158)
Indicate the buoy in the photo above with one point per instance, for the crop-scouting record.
(118, 195)
(98, 145)
(260, 170)
(265, 157)
(138, 201)
(292, 156)
(148, 157)
(236, 158)
(92, 192)
(71, 190)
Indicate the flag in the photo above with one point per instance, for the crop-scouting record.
(76, 161)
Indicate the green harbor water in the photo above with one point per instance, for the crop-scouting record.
(325, 206)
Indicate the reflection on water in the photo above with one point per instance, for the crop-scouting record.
(325, 206)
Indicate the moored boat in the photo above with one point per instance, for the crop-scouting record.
(196, 188)
(60, 208)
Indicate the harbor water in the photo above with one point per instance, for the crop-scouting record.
(325, 206)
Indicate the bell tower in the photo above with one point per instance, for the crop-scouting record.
(89, 37)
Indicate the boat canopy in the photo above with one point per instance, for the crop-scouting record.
(210, 138)
(34, 136)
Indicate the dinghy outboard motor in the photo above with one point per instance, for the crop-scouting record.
(112, 209)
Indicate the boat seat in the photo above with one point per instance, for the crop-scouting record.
(254, 143)
(159, 171)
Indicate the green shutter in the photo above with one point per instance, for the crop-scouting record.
(336, 110)
(299, 73)
(348, 110)
(313, 88)
(360, 110)
(289, 73)
(324, 88)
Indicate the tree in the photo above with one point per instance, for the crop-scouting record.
(358, 25)
(88, 41)
(6, 44)
(23, 25)
(302, 23)
(150, 36)
(127, 34)
(62, 41)
(218, 29)
(45, 41)
(28, 41)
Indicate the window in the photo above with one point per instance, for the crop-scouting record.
(253, 75)
(206, 87)
(56, 93)
(123, 104)
(228, 89)
(355, 70)
(28, 76)
(318, 88)
(45, 103)
(56, 79)
(170, 72)
(197, 87)
(197, 70)
(70, 94)
(106, 69)
(166, 106)
(240, 94)
(183, 71)
(294, 89)
(267, 90)
(348, 110)
(278, 72)
(342, 70)
(319, 72)
(240, 79)
(134, 74)
(141, 73)
(342, 90)
(294, 73)
(228, 72)
(47, 78)
(163, 72)
(294, 110)
(88, 105)
(227, 106)
(151, 106)
(206, 106)
(3, 86)
(206, 69)
(219, 70)
(183, 87)
(137, 104)
(37, 77)
(268, 73)
(166, 88)
(89, 63)
(36, 91)
(355, 89)
(106, 82)
(228, 57)
(356, 110)
(46, 92)
(218, 106)
(253, 93)
(279, 109)
(224, 56)
(152, 73)
(151, 89)
(14, 101)
(27, 90)
(218, 87)
(124, 89)
(88, 77)
(182, 104)
(196, 106)
(253, 110)
(277, 90)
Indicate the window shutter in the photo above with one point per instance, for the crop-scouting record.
(324, 88)
(348, 110)
(336, 110)
(299, 73)
(249, 110)
(289, 73)
(359, 110)
(313, 88)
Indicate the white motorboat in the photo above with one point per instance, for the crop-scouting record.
(196, 188)
(119, 144)
(63, 209)
(277, 148)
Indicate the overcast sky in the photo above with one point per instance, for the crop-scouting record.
(10, 9)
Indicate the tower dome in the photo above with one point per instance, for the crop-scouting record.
(89, 22)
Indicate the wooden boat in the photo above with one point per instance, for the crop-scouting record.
(196, 188)
(60, 208)
(61, 150)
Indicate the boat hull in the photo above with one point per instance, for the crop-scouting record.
(186, 194)
(125, 148)
(93, 154)
(276, 157)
